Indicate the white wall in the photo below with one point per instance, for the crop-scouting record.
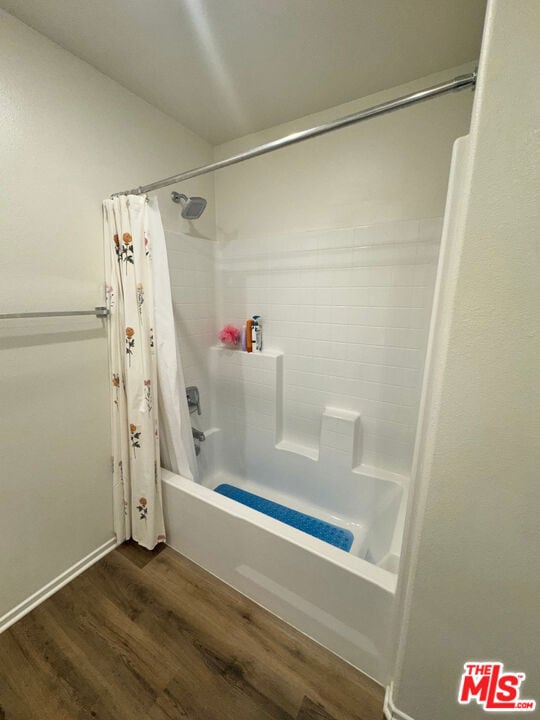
(69, 136)
(335, 243)
(394, 167)
(472, 568)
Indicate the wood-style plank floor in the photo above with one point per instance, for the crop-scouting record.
(152, 635)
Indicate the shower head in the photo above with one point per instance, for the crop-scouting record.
(192, 208)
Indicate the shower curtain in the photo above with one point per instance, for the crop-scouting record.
(148, 395)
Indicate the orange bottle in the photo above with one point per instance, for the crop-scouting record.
(249, 343)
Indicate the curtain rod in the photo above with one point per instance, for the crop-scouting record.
(457, 83)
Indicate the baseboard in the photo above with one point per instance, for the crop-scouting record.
(50, 588)
(390, 710)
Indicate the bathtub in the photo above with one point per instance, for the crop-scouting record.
(341, 600)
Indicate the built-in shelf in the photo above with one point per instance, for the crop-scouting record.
(292, 447)
(232, 352)
(381, 474)
(255, 384)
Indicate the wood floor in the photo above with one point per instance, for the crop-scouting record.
(151, 635)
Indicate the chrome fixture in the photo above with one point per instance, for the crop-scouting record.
(193, 399)
(192, 208)
(99, 312)
(194, 405)
(198, 434)
(457, 83)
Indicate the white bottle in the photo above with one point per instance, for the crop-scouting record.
(256, 333)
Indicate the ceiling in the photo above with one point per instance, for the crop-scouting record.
(225, 68)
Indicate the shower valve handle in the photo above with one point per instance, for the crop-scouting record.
(193, 399)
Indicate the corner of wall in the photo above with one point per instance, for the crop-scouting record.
(391, 712)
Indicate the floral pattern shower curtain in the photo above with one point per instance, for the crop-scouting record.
(138, 509)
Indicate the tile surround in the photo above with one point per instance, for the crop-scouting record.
(350, 310)
(348, 307)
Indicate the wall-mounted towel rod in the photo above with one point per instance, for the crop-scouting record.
(99, 312)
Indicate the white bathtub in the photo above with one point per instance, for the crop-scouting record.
(340, 600)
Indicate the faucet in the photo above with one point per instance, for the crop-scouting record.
(198, 434)
(193, 399)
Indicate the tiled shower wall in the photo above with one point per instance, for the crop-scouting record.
(350, 310)
(348, 307)
(335, 243)
(192, 270)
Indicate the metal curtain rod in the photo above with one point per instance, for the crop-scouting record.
(458, 83)
(99, 312)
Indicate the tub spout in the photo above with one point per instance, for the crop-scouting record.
(198, 434)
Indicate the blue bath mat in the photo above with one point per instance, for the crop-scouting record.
(332, 534)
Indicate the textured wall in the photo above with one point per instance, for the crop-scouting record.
(474, 550)
(69, 137)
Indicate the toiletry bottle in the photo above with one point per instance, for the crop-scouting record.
(249, 330)
(257, 332)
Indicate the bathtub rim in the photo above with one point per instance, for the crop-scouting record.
(361, 568)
